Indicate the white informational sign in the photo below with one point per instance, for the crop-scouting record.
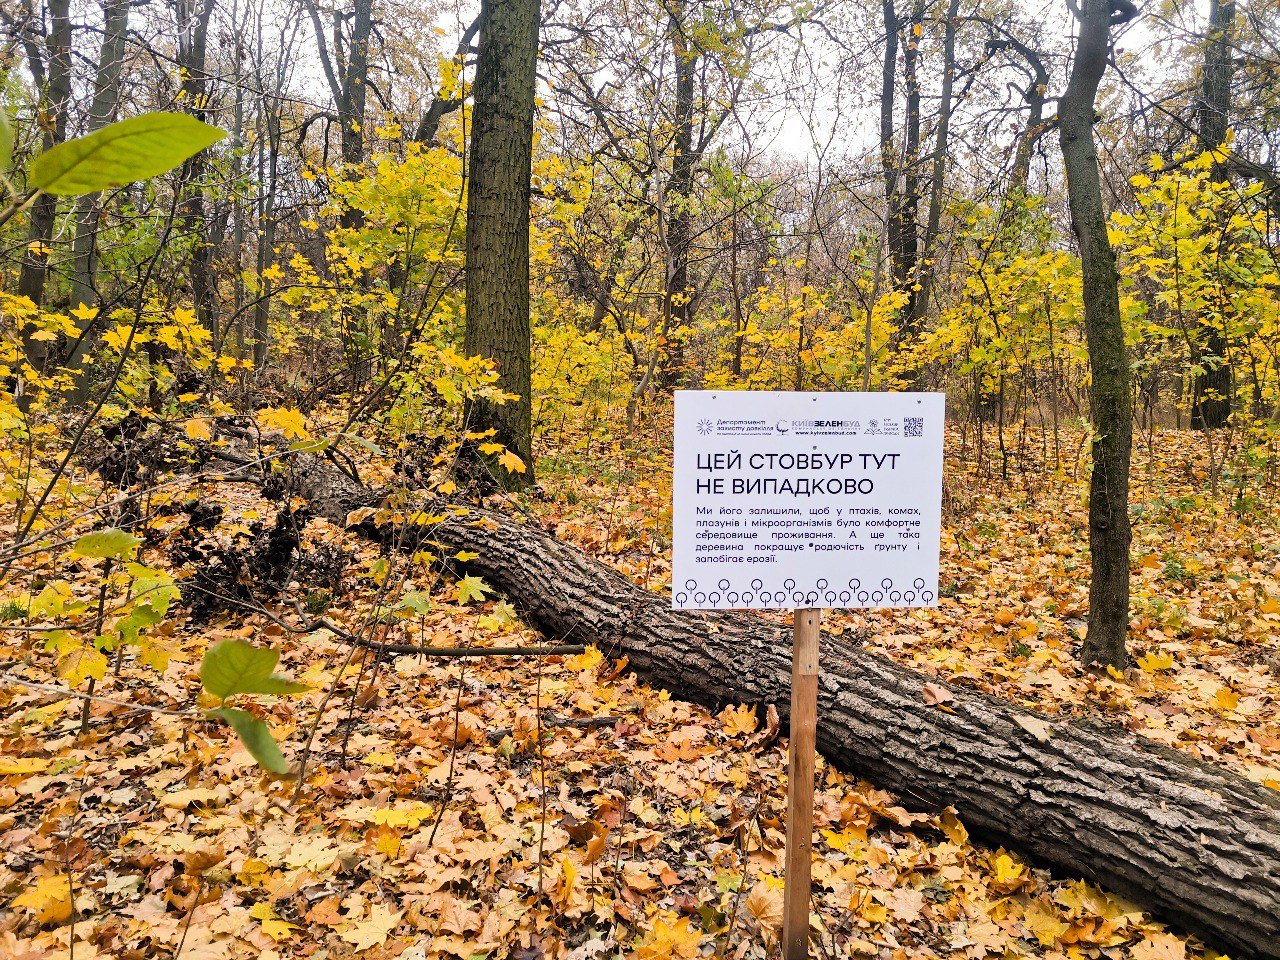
(786, 501)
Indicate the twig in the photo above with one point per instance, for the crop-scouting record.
(448, 653)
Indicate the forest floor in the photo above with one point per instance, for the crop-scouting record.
(447, 811)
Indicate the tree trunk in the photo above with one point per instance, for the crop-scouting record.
(193, 34)
(679, 229)
(1109, 390)
(1191, 841)
(933, 221)
(497, 260)
(1212, 388)
(54, 65)
(106, 97)
(907, 256)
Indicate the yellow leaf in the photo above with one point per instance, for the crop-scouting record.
(511, 462)
(738, 720)
(950, 825)
(373, 929)
(1036, 727)
(289, 422)
(1227, 698)
(76, 665)
(272, 925)
(1043, 921)
(198, 429)
(1159, 946)
(670, 937)
(49, 899)
(9, 766)
(589, 659)
(1009, 874)
(1156, 662)
(764, 902)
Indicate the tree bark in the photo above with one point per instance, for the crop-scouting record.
(677, 307)
(1191, 841)
(1110, 400)
(106, 97)
(1211, 391)
(52, 67)
(933, 218)
(497, 262)
(193, 38)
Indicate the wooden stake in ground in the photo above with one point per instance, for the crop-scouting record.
(804, 730)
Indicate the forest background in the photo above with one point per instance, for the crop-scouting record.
(328, 273)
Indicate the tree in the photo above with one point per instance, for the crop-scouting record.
(1110, 398)
(346, 69)
(194, 96)
(50, 65)
(1211, 389)
(497, 281)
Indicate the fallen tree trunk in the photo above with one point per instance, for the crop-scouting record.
(1192, 842)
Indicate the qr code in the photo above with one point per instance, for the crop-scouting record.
(913, 426)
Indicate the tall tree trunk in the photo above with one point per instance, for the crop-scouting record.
(1109, 390)
(356, 84)
(55, 66)
(933, 222)
(678, 311)
(1212, 387)
(497, 259)
(193, 33)
(346, 69)
(890, 158)
(106, 98)
(907, 258)
(1034, 97)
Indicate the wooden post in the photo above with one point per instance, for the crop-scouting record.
(804, 730)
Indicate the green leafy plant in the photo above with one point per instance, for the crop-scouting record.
(232, 668)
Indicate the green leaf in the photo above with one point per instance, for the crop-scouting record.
(471, 588)
(107, 543)
(120, 153)
(233, 666)
(253, 733)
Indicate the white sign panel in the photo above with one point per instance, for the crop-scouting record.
(785, 501)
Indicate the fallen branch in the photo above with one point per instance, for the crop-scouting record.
(1191, 841)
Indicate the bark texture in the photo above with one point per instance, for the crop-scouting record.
(1110, 399)
(498, 222)
(1193, 842)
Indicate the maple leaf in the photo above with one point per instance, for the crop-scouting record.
(738, 720)
(471, 588)
(373, 929)
(511, 462)
(289, 422)
(80, 663)
(669, 938)
(1156, 662)
(49, 899)
(272, 925)
(765, 903)
(1159, 946)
